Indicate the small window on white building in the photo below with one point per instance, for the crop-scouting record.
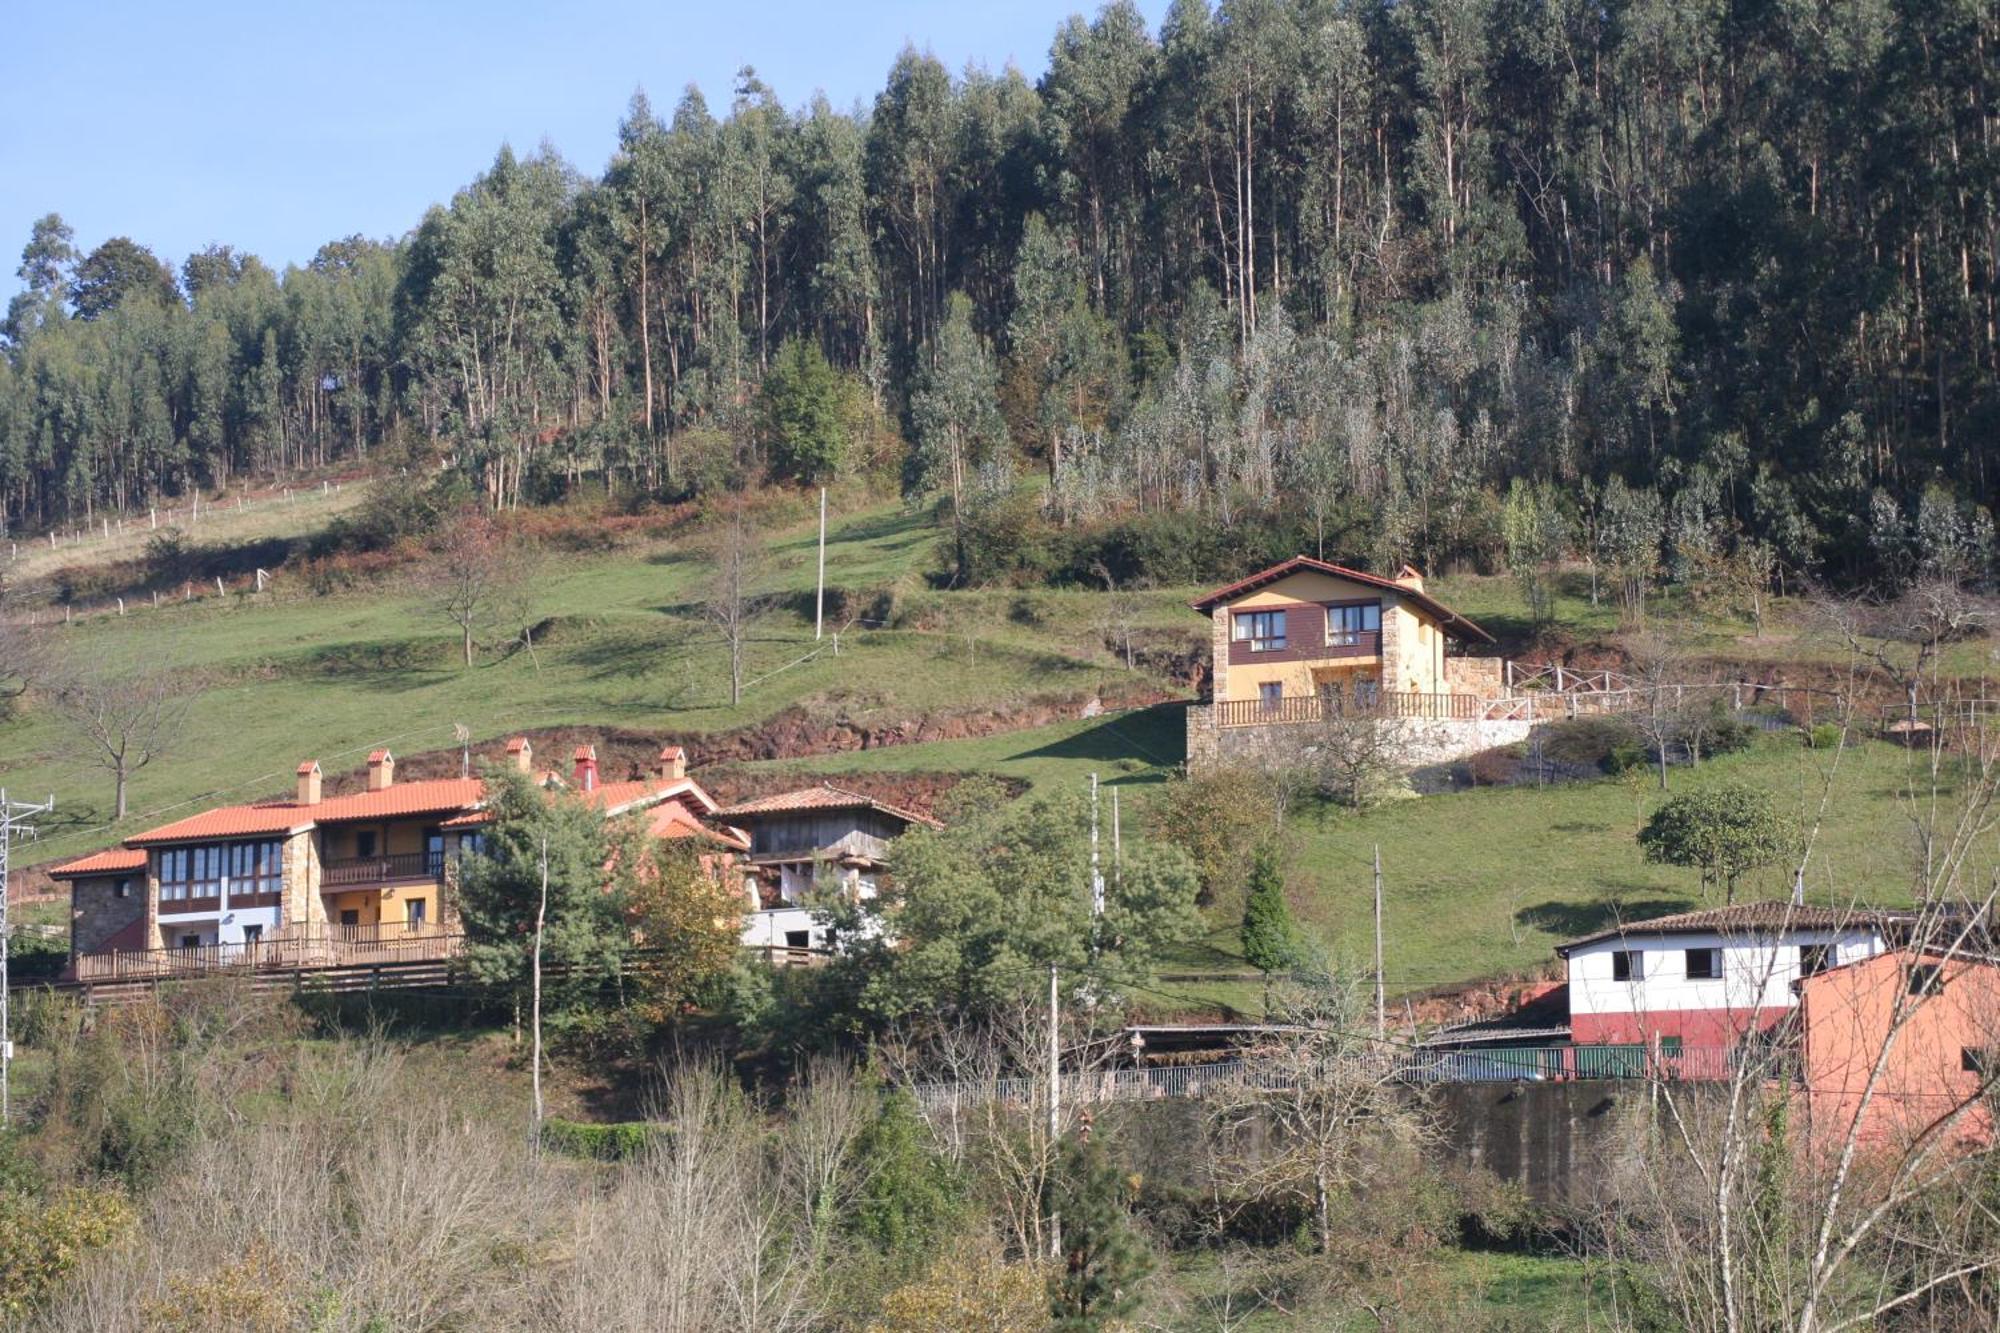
(1628, 965)
(1814, 959)
(1704, 964)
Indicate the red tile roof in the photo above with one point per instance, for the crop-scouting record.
(117, 861)
(438, 796)
(1445, 616)
(1743, 917)
(823, 797)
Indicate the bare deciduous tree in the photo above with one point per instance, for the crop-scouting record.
(1904, 639)
(475, 578)
(122, 721)
(732, 559)
(1327, 1116)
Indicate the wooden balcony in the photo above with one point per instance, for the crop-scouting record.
(354, 871)
(292, 949)
(1296, 709)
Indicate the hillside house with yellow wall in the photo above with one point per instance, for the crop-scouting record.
(319, 879)
(1305, 638)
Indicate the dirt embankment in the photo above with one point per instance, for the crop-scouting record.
(793, 733)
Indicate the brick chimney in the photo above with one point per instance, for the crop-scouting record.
(381, 770)
(673, 763)
(583, 770)
(1408, 577)
(309, 782)
(521, 754)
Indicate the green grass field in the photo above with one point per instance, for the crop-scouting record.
(626, 645)
(1477, 882)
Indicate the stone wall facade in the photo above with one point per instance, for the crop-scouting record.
(1482, 677)
(1418, 741)
(100, 919)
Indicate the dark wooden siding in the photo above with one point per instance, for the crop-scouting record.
(1305, 635)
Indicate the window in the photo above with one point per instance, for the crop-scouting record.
(1270, 694)
(1264, 631)
(364, 844)
(1346, 624)
(350, 916)
(1704, 964)
(1628, 965)
(1367, 692)
(1814, 959)
(1925, 979)
(414, 911)
(251, 934)
(199, 872)
(190, 941)
(122, 889)
(1975, 1059)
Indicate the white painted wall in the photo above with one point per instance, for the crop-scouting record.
(1757, 971)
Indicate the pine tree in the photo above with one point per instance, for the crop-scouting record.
(1104, 1257)
(1271, 940)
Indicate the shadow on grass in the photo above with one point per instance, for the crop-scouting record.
(610, 656)
(391, 664)
(1571, 920)
(1156, 737)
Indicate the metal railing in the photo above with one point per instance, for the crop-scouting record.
(380, 869)
(1538, 1064)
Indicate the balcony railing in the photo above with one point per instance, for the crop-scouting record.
(321, 946)
(381, 869)
(1296, 708)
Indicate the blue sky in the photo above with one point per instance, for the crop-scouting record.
(276, 126)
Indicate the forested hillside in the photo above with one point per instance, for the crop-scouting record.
(1458, 281)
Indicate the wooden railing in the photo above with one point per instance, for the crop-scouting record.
(319, 947)
(380, 869)
(1298, 708)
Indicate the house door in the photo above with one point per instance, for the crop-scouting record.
(350, 916)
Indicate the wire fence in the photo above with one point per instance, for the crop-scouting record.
(1523, 1064)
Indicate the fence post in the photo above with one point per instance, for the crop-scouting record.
(218, 587)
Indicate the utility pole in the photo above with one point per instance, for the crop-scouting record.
(819, 597)
(1117, 846)
(1381, 1006)
(1096, 871)
(1055, 1101)
(12, 813)
(541, 918)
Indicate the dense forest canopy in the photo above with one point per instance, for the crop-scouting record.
(1433, 279)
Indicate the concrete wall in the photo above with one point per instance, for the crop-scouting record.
(1567, 1144)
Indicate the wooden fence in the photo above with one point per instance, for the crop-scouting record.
(327, 946)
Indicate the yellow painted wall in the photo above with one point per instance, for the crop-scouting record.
(1306, 586)
(366, 903)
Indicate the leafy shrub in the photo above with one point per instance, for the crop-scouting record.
(1587, 740)
(623, 1141)
(1497, 767)
(1823, 736)
(43, 1241)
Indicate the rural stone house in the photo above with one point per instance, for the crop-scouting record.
(1305, 639)
(319, 880)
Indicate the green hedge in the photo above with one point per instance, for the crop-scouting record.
(621, 1142)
